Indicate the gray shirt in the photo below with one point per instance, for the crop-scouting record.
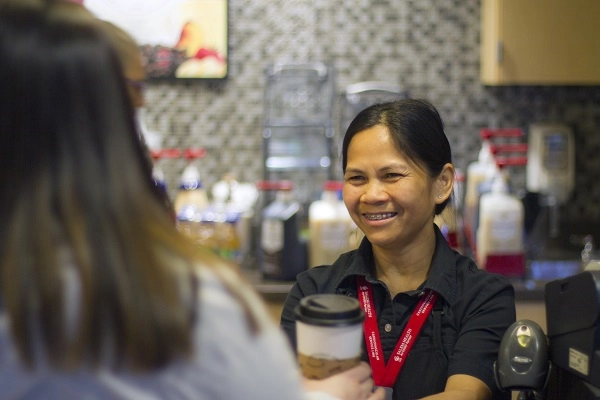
(229, 362)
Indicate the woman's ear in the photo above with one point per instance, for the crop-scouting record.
(444, 183)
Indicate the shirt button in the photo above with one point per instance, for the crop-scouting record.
(388, 328)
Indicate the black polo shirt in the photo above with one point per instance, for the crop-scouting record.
(461, 335)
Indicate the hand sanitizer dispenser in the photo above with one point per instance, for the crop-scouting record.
(551, 161)
(551, 167)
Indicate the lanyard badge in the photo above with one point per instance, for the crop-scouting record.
(385, 375)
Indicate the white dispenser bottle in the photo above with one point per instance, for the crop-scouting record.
(477, 172)
(330, 226)
(500, 232)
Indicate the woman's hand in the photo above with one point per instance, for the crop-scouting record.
(354, 384)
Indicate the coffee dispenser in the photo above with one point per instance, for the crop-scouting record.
(298, 126)
(297, 148)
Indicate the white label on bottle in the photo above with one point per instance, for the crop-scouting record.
(504, 227)
(333, 235)
(579, 361)
(272, 235)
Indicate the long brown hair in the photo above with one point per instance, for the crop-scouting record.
(77, 193)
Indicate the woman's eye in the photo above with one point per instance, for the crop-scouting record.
(354, 178)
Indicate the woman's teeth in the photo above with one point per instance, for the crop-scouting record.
(377, 217)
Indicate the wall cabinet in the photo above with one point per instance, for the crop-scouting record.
(540, 42)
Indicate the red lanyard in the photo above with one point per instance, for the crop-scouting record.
(386, 375)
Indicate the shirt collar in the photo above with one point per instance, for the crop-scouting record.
(442, 272)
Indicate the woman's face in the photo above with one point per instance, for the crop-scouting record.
(389, 198)
(136, 75)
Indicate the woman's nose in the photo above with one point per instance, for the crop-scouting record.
(374, 193)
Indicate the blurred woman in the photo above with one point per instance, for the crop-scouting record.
(130, 58)
(100, 297)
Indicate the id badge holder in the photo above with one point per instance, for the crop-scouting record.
(388, 392)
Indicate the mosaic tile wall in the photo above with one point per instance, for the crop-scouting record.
(428, 47)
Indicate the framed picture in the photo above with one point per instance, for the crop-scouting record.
(179, 39)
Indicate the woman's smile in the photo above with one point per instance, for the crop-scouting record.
(379, 216)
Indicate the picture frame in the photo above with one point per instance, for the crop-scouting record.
(179, 39)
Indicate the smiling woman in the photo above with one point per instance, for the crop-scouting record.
(398, 175)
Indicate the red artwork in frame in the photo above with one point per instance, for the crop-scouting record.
(179, 39)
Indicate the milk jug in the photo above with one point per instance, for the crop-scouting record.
(330, 226)
(500, 232)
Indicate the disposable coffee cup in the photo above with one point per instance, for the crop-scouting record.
(329, 334)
